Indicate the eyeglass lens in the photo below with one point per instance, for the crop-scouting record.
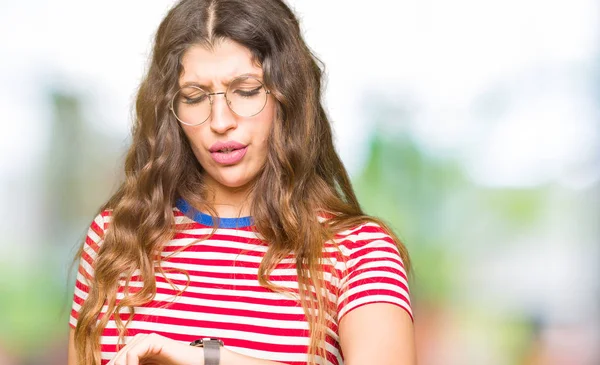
(246, 97)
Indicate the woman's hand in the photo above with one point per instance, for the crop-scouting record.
(151, 349)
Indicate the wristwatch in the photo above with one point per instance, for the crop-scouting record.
(212, 349)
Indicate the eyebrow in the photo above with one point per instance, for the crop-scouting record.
(226, 83)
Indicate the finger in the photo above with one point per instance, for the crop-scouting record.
(150, 345)
(120, 357)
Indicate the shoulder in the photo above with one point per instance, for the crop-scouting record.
(370, 268)
(88, 252)
(365, 238)
(97, 231)
(364, 229)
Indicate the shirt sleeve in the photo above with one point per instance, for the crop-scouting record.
(372, 271)
(85, 270)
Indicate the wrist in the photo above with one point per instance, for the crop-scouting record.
(228, 357)
(211, 350)
(196, 355)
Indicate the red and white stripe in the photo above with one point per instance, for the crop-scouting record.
(224, 299)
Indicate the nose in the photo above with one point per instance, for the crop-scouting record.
(222, 118)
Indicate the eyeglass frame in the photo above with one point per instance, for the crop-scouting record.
(210, 99)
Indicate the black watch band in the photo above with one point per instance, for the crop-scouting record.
(212, 350)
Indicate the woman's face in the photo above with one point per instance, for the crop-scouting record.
(232, 149)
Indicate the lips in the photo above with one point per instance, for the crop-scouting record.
(228, 153)
(226, 146)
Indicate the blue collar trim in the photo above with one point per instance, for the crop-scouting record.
(208, 220)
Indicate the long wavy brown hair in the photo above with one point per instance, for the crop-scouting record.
(302, 174)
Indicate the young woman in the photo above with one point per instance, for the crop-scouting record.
(236, 237)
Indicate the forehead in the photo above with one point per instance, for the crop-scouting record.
(217, 65)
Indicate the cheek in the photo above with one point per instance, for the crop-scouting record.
(266, 123)
(263, 135)
(189, 136)
(194, 139)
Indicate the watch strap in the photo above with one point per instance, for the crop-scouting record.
(212, 352)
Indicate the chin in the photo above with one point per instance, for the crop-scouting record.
(233, 182)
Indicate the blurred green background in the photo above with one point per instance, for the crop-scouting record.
(472, 128)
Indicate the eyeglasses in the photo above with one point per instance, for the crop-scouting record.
(246, 96)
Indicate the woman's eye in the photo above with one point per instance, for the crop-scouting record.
(248, 92)
(194, 100)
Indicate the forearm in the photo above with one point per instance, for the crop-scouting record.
(229, 357)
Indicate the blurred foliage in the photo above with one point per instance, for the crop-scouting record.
(77, 175)
(408, 189)
(447, 221)
(36, 312)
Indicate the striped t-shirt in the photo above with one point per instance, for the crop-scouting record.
(224, 299)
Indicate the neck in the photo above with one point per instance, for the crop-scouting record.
(228, 202)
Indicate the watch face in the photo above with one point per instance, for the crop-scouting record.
(219, 341)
